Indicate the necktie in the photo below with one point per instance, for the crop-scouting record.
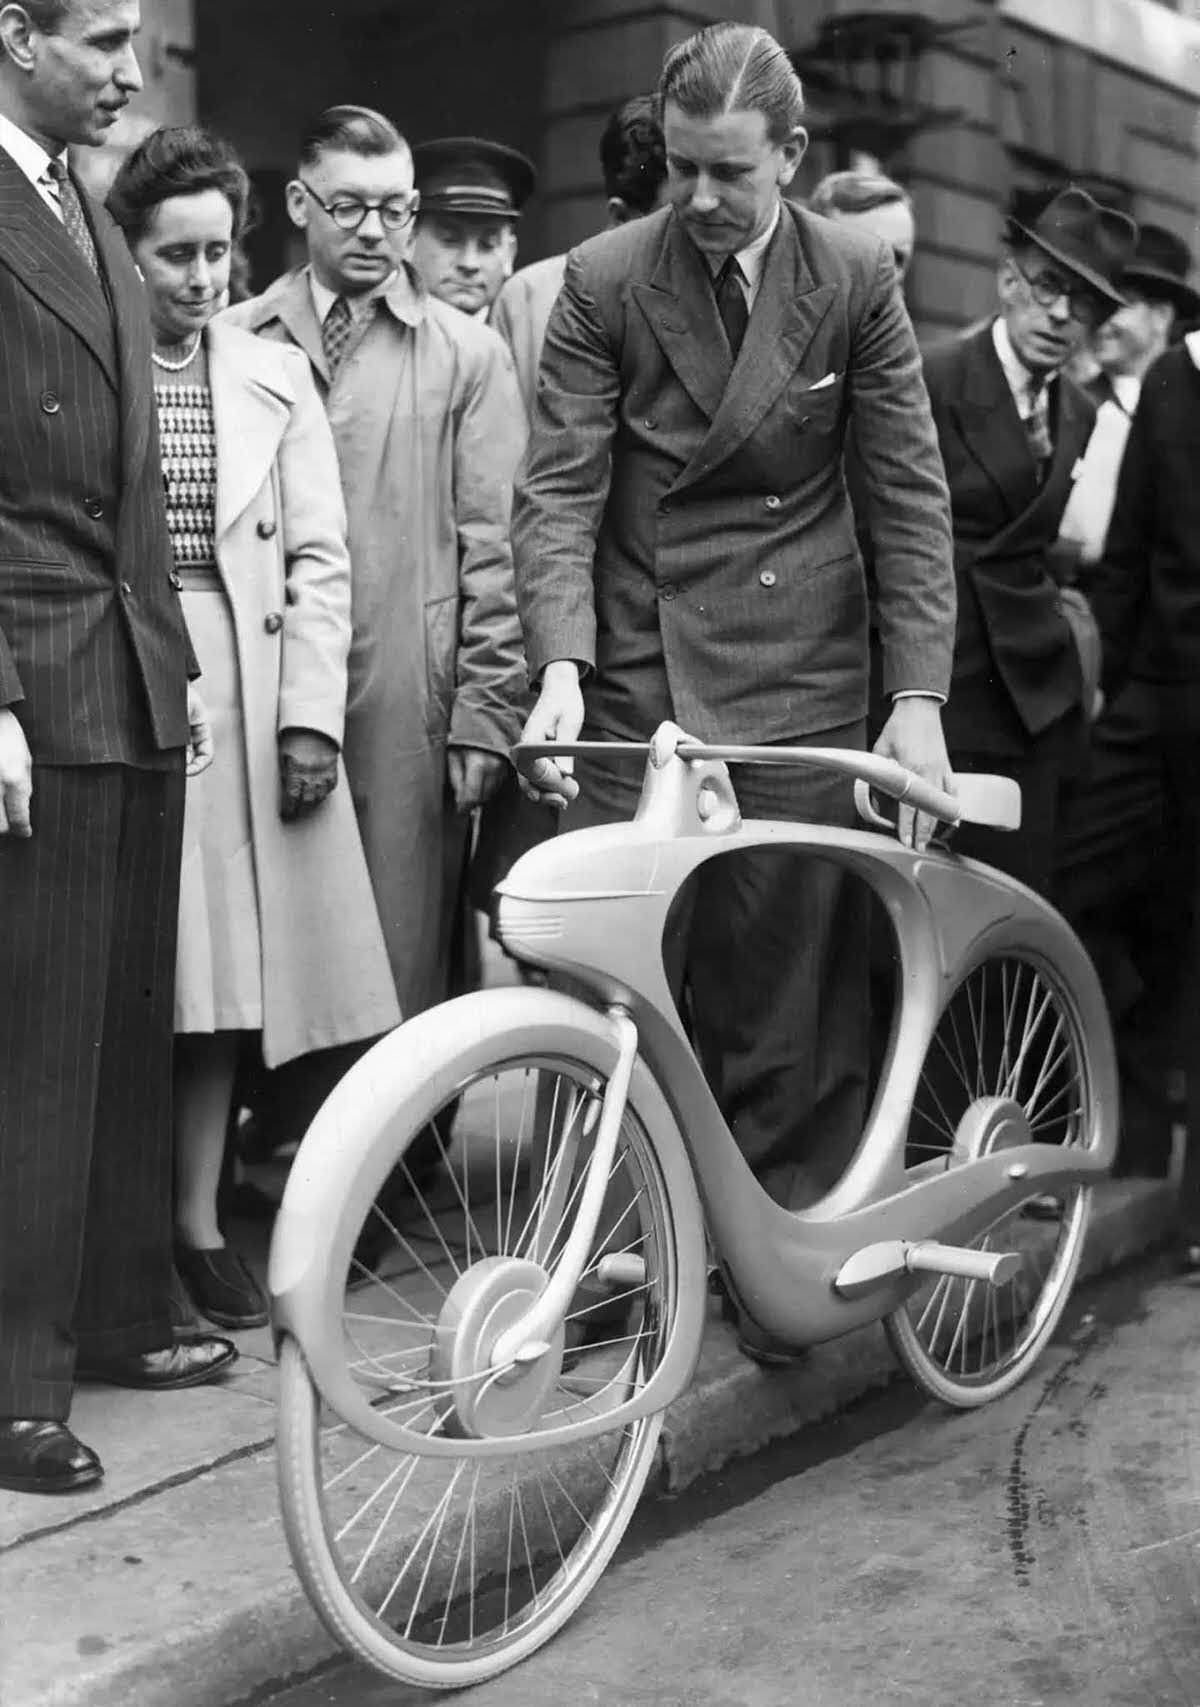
(74, 218)
(731, 302)
(1037, 425)
(335, 334)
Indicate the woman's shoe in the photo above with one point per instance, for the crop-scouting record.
(222, 1287)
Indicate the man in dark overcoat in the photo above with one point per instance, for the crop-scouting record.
(1012, 428)
(685, 550)
(95, 725)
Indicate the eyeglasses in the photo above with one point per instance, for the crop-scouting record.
(348, 212)
(1046, 289)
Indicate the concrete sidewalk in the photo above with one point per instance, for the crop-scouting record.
(170, 1585)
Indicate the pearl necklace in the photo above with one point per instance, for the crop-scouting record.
(177, 367)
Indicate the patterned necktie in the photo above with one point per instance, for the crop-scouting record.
(335, 334)
(74, 218)
(1037, 425)
(731, 302)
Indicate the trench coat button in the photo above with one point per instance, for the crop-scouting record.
(266, 530)
(767, 578)
(666, 506)
(94, 508)
(666, 591)
(650, 423)
(50, 403)
(772, 503)
(273, 622)
(176, 581)
(127, 589)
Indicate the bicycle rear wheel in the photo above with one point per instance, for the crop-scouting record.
(1012, 1061)
(445, 1561)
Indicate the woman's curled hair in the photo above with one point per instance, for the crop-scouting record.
(181, 160)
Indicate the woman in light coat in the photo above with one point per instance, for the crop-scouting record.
(278, 928)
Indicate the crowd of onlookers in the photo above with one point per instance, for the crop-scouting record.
(334, 569)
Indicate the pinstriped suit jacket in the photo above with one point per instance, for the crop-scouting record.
(681, 523)
(94, 656)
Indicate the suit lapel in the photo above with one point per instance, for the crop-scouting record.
(681, 310)
(131, 319)
(787, 314)
(35, 247)
(991, 426)
(251, 407)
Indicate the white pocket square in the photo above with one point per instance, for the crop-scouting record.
(830, 379)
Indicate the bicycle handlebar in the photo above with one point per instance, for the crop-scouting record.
(886, 775)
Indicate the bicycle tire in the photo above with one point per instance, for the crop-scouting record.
(670, 1226)
(1063, 1080)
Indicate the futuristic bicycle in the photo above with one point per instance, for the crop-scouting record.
(455, 1473)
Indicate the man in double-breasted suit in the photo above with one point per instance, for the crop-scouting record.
(1012, 428)
(685, 549)
(95, 721)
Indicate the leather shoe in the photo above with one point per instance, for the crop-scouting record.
(41, 1456)
(193, 1359)
(752, 1341)
(222, 1287)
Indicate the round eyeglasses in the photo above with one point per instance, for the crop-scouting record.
(1085, 304)
(348, 212)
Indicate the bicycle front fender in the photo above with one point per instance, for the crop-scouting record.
(361, 1132)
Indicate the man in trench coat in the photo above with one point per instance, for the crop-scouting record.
(426, 417)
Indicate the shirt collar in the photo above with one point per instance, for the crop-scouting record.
(753, 258)
(29, 156)
(1127, 388)
(323, 298)
(1020, 381)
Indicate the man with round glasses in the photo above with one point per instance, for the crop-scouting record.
(428, 422)
(1012, 428)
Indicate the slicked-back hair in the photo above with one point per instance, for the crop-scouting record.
(727, 68)
(856, 192)
(48, 16)
(633, 156)
(350, 130)
(182, 160)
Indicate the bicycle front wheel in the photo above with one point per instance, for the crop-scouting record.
(446, 1561)
(1014, 1058)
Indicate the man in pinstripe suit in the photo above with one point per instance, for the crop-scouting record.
(95, 723)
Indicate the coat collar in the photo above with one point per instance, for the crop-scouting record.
(252, 401)
(680, 307)
(289, 303)
(34, 245)
(995, 434)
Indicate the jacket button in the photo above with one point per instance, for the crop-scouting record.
(94, 508)
(665, 506)
(772, 503)
(176, 581)
(127, 589)
(666, 591)
(767, 578)
(266, 530)
(650, 423)
(50, 403)
(273, 622)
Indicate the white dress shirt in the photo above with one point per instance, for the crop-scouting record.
(31, 158)
(1027, 392)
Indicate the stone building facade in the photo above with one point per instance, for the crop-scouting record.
(962, 99)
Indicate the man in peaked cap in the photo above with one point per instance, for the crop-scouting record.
(472, 193)
(1012, 427)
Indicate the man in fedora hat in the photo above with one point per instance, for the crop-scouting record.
(472, 193)
(1159, 300)
(1128, 871)
(1012, 427)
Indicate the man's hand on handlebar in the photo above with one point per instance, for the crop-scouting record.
(913, 737)
(557, 716)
